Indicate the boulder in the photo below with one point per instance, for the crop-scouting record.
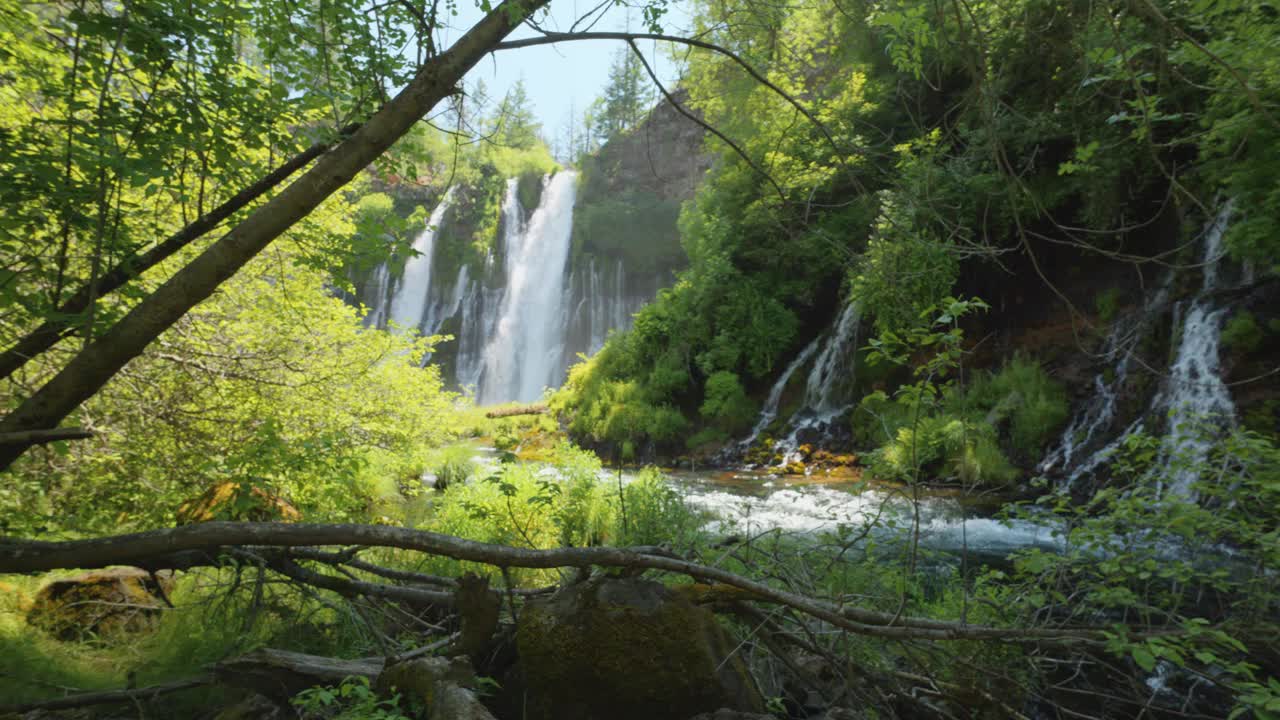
(101, 604)
(441, 685)
(627, 648)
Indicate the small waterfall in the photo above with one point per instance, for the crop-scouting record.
(525, 353)
(825, 396)
(1196, 399)
(378, 288)
(408, 304)
(1089, 426)
(1193, 398)
(770, 411)
(834, 367)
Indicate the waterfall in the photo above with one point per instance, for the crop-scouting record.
(771, 403)
(525, 352)
(834, 367)
(1193, 398)
(408, 304)
(1196, 399)
(1094, 420)
(525, 311)
(826, 396)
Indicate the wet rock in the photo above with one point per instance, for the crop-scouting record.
(237, 501)
(628, 648)
(102, 604)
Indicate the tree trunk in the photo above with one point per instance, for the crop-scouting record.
(93, 366)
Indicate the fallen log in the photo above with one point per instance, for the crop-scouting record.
(107, 697)
(513, 410)
(281, 674)
(158, 549)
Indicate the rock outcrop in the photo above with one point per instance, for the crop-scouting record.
(628, 649)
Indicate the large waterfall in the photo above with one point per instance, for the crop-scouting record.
(521, 316)
(526, 350)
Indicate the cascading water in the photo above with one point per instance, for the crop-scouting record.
(409, 304)
(1194, 399)
(770, 410)
(525, 352)
(1091, 425)
(523, 314)
(825, 399)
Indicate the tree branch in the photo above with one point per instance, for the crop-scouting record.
(106, 697)
(27, 438)
(170, 547)
(99, 361)
(52, 330)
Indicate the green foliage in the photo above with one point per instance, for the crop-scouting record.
(656, 514)
(726, 404)
(1106, 304)
(1242, 333)
(903, 272)
(454, 464)
(1022, 395)
(272, 381)
(353, 699)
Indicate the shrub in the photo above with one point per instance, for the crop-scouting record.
(1242, 333)
(453, 464)
(1023, 395)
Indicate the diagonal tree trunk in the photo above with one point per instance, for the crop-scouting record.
(54, 329)
(93, 366)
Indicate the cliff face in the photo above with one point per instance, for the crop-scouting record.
(632, 189)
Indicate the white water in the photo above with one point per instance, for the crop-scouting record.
(521, 316)
(825, 395)
(1197, 400)
(525, 353)
(771, 403)
(1193, 399)
(408, 305)
(1091, 424)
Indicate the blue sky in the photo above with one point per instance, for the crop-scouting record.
(565, 75)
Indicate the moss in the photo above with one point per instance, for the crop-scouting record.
(627, 649)
(1106, 303)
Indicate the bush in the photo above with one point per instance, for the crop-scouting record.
(1022, 394)
(453, 464)
(1242, 333)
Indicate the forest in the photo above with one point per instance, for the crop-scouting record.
(840, 360)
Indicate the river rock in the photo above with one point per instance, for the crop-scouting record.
(624, 649)
(101, 604)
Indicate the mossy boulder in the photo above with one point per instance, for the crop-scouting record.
(102, 604)
(628, 648)
(237, 501)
